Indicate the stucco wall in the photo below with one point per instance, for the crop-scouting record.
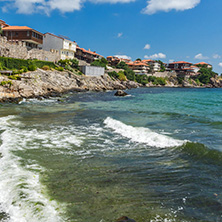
(93, 70)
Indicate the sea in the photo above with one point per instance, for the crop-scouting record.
(153, 156)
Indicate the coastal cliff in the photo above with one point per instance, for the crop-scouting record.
(41, 83)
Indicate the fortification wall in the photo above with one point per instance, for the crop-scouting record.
(18, 50)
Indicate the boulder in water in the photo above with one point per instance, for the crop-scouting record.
(125, 219)
(120, 93)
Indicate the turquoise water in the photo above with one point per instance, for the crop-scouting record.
(155, 155)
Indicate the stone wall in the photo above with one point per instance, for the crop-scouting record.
(18, 50)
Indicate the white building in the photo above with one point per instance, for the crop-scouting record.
(156, 67)
(65, 47)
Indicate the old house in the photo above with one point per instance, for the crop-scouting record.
(86, 55)
(156, 67)
(29, 36)
(114, 60)
(65, 47)
(179, 66)
(203, 64)
(139, 67)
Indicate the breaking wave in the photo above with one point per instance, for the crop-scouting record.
(142, 135)
(22, 196)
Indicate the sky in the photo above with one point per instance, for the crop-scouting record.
(169, 30)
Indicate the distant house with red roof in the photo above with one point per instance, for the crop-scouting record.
(86, 55)
(203, 64)
(115, 60)
(156, 66)
(179, 66)
(63, 45)
(31, 37)
(139, 67)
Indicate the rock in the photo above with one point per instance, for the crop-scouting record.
(125, 219)
(120, 93)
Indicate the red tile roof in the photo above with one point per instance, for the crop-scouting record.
(147, 60)
(16, 28)
(181, 62)
(88, 51)
(19, 28)
(202, 63)
(136, 64)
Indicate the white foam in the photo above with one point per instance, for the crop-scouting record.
(22, 196)
(142, 135)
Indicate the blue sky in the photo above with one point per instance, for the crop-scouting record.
(176, 30)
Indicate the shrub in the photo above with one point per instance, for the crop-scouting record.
(5, 83)
(60, 69)
(12, 63)
(197, 81)
(157, 80)
(161, 81)
(113, 74)
(130, 74)
(143, 79)
(122, 65)
(24, 68)
(121, 75)
(16, 72)
(100, 62)
(45, 67)
(180, 79)
(32, 67)
(80, 73)
(206, 75)
(13, 77)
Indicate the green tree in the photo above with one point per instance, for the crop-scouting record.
(122, 65)
(206, 75)
(143, 79)
(130, 74)
(1, 31)
(138, 59)
(100, 62)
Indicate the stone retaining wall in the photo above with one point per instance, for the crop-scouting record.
(18, 50)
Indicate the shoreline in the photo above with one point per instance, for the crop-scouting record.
(44, 84)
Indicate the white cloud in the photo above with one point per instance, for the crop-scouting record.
(46, 6)
(216, 56)
(120, 35)
(147, 46)
(123, 57)
(171, 60)
(200, 56)
(156, 56)
(168, 5)
(220, 64)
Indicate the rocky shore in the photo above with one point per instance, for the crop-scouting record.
(42, 83)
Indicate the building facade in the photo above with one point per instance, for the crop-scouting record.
(29, 36)
(204, 64)
(156, 67)
(114, 60)
(179, 66)
(66, 48)
(139, 67)
(86, 55)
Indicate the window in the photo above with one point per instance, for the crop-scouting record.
(28, 33)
